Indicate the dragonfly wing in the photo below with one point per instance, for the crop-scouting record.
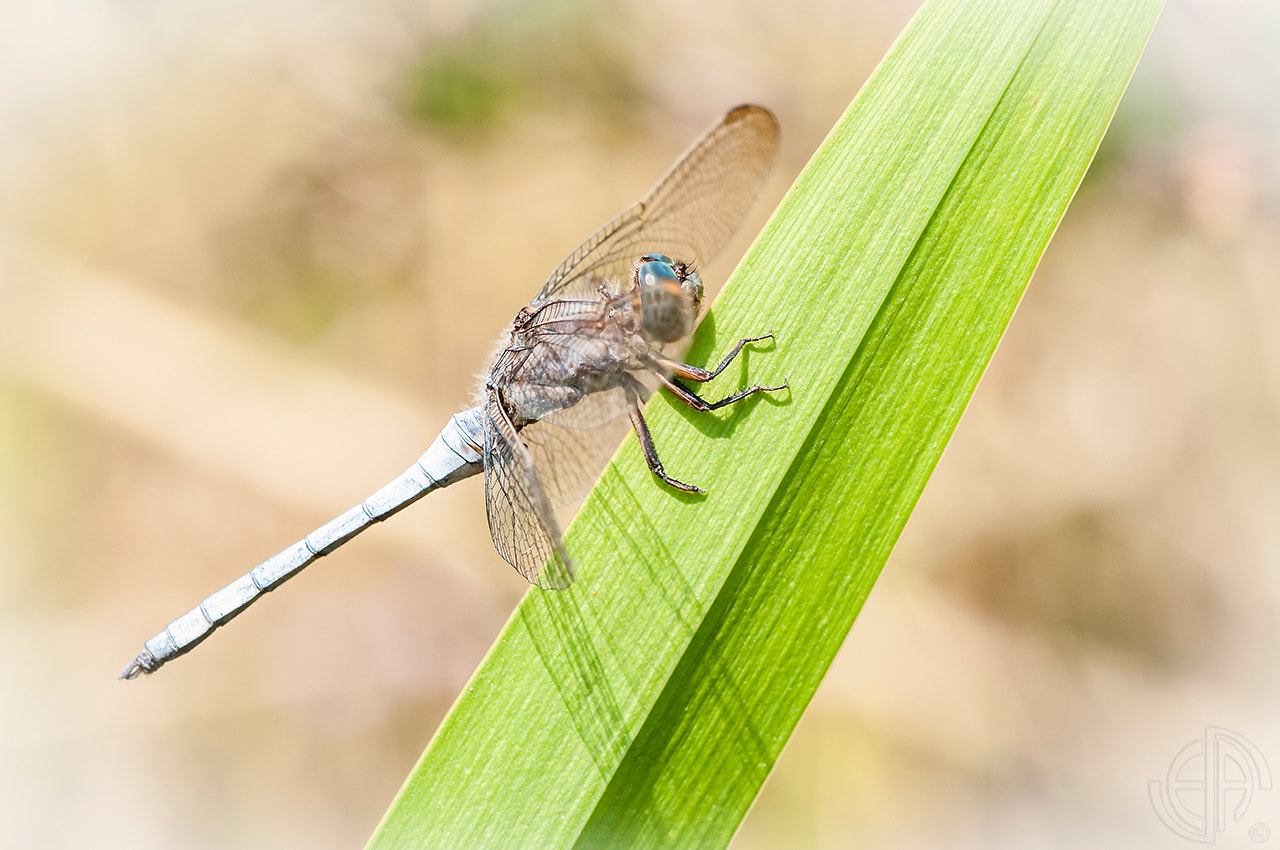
(689, 215)
(521, 520)
(570, 447)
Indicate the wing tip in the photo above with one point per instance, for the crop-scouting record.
(750, 111)
(557, 573)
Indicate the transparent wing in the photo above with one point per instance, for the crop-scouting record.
(689, 215)
(570, 447)
(522, 522)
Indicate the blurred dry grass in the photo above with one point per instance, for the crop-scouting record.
(251, 259)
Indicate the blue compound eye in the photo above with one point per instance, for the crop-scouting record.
(655, 270)
(669, 298)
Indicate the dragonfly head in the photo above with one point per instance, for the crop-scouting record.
(670, 296)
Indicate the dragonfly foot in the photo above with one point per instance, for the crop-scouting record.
(679, 485)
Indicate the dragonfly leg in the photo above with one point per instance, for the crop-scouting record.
(651, 453)
(697, 402)
(697, 373)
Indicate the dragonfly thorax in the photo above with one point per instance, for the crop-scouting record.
(670, 294)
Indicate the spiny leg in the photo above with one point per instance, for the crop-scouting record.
(698, 403)
(650, 452)
(689, 397)
(697, 373)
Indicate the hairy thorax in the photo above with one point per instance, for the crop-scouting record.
(560, 352)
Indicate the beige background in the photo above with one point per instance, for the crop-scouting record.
(251, 259)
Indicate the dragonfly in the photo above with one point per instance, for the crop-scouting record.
(572, 371)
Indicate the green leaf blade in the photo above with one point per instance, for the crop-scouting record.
(646, 705)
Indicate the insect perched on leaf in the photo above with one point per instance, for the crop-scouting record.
(606, 330)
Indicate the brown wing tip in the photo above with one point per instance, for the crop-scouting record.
(749, 111)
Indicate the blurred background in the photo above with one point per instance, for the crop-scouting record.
(252, 256)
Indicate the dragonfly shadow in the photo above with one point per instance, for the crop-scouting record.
(575, 632)
(711, 690)
(576, 663)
